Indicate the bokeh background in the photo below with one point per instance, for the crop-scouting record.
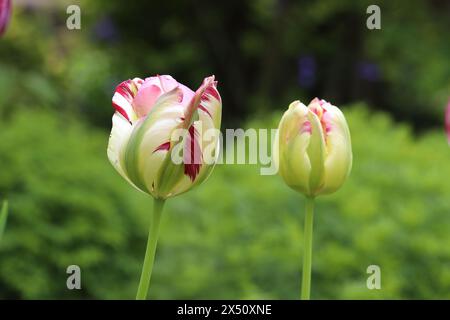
(239, 235)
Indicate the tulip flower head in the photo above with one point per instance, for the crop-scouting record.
(5, 14)
(148, 113)
(314, 148)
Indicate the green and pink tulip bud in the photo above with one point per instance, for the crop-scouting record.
(314, 156)
(314, 148)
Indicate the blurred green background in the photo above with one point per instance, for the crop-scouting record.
(239, 235)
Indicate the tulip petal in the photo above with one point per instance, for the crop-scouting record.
(210, 99)
(291, 142)
(142, 162)
(118, 139)
(339, 153)
(205, 108)
(209, 119)
(192, 154)
(316, 153)
(202, 114)
(200, 96)
(164, 146)
(123, 98)
(168, 177)
(145, 99)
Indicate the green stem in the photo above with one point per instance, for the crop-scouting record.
(152, 241)
(308, 234)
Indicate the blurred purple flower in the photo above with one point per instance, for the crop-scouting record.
(368, 71)
(5, 14)
(447, 121)
(105, 29)
(306, 71)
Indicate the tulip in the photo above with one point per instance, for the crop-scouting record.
(5, 14)
(150, 114)
(314, 157)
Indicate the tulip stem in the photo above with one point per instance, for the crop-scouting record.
(307, 243)
(152, 241)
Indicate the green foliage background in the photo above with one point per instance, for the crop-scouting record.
(239, 235)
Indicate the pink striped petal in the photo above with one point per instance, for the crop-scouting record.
(209, 92)
(212, 91)
(203, 94)
(192, 155)
(123, 97)
(204, 110)
(122, 111)
(165, 146)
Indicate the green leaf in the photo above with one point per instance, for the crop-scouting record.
(3, 217)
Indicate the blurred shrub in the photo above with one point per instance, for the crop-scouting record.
(237, 236)
(66, 207)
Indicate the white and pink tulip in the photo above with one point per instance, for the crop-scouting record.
(148, 114)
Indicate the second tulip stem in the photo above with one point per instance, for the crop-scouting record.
(307, 251)
(152, 241)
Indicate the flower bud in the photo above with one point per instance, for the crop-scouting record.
(314, 148)
(149, 113)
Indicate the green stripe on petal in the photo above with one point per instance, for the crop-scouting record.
(168, 176)
(292, 142)
(134, 157)
(339, 151)
(316, 152)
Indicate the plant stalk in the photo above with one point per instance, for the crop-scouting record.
(307, 255)
(152, 241)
